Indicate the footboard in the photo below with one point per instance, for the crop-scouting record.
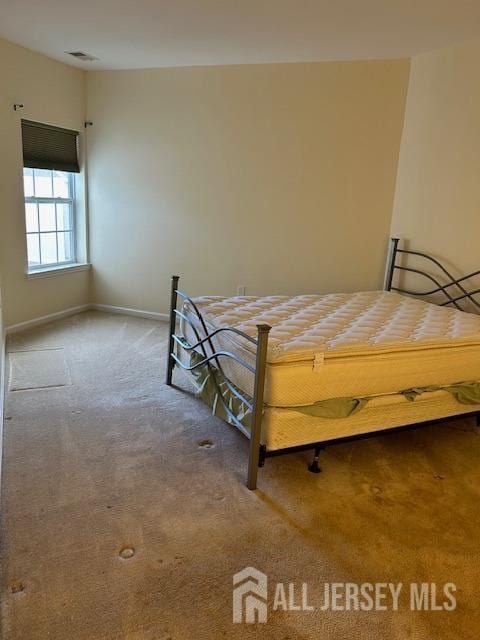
(212, 358)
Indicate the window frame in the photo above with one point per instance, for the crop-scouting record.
(73, 231)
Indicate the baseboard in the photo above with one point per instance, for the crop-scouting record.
(139, 313)
(21, 326)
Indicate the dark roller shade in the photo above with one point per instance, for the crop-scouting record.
(47, 147)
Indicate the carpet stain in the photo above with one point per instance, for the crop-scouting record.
(17, 587)
(206, 444)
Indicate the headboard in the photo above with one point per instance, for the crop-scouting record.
(450, 290)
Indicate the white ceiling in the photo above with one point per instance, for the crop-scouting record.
(127, 34)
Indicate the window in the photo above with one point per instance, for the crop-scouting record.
(50, 160)
(50, 217)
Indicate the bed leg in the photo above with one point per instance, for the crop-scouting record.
(257, 413)
(477, 419)
(262, 455)
(314, 467)
(173, 322)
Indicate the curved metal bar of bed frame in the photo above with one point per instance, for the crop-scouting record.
(258, 451)
(255, 459)
(214, 356)
(187, 347)
(173, 338)
(392, 266)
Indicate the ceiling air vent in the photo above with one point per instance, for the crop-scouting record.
(81, 55)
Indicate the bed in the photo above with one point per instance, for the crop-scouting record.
(300, 372)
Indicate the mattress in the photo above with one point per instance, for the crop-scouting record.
(282, 428)
(360, 344)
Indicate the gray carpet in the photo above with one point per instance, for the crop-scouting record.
(125, 515)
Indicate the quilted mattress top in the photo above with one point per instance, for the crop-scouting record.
(342, 324)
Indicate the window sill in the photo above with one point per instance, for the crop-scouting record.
(56, 270)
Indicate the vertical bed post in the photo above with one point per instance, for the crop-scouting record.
(390, 266)
(257, 413)
(173, 321)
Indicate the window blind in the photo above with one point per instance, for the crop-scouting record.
(48, 147)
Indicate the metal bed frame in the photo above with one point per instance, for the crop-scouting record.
(258, 451)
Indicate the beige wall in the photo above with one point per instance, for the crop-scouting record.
(53, 93)
(437, 202)
(277, 177)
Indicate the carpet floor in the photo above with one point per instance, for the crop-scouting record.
(125, 514)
